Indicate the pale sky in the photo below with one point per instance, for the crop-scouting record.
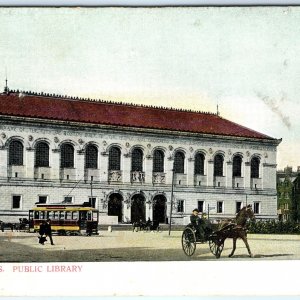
(246, 60)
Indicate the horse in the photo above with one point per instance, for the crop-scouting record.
(236, 228)
(138, 224)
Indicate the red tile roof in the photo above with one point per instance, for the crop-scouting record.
(109, 113)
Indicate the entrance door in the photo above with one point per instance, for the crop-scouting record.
(138, 208)
(159, 209)
(115, 206)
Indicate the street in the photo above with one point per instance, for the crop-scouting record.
(138, 246)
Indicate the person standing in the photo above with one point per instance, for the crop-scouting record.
(48, 230)
(42, 237)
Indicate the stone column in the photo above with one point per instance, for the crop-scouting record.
(54, 164)
(79, 159)
(228, 174)
(190, 172)
(247, 178)
(103, 165)
(4, 162)
(210, 172)
(126, 168)
(148, 169)
(29, 163)
(169, 170)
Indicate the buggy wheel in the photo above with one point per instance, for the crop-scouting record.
(216, 246)
(188, 241)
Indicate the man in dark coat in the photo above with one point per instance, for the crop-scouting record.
(48, 230)
(198, 224)
(42, 237)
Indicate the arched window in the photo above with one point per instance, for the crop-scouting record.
(41, 155)
(67, 156)
(237, 166)
(137, 160)
(255, 167)
(179, 162)
(199, 164)
(114, 159)
(158, 161)
(91, 157)
(15, 153)
(218, 165)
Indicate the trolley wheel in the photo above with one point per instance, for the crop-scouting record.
(188, 241)
(216, 246)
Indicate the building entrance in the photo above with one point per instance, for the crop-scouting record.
(115, 206)
(138, 208)
(159, 208)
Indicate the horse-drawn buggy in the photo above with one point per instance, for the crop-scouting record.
(227, 229)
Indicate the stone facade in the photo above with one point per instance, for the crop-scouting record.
(218, 195)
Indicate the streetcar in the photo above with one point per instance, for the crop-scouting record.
(66, 219)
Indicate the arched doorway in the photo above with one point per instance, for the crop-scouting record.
(159, 208)
(138, 208)
(115, 206)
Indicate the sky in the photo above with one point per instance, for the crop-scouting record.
(243, 59)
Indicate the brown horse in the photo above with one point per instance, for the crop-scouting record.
(237, 228)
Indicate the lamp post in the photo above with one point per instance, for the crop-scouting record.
(91, 202)
(171, 208)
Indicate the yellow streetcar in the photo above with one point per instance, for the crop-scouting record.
(72, 219)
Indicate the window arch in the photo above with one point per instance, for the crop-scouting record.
(15, 153)
(237, 166)
(114, 159)
(199, 164)
(91, 157)
(137, 160)
(218, 165)
(255, 167)
(41, 154)
(158, 161)
(179, 162)
(67, 156)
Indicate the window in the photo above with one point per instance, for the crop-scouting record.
(218, 165)
(237, 166)
(199, 164)
(158, 161)
(91, 157)
(114, 159)
(238, 206)
(67, 156)
(220, 207)
(42, 155)
(137, 160)
(256, 207)
(180, 206)
(68, 199)
(92, 201)
(201, 206)
(15, 153)
(43, 199)
(16, 201)
(179, 163)
(255, 167)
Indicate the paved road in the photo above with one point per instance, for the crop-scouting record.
(137, 246)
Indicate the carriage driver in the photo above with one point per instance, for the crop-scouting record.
(202, 225)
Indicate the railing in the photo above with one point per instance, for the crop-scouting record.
(159, 178)
(137, 176)
(114, 176)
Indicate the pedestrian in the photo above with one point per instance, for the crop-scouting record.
(42, 234)
(48, 230)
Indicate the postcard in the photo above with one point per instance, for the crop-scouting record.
(149, 151)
